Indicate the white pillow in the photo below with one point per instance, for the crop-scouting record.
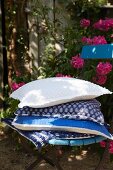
(53, 91)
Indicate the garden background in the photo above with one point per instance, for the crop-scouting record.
(44, 38)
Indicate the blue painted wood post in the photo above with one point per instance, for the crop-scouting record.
(97, 51)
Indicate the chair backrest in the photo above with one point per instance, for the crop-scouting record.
(97, 51)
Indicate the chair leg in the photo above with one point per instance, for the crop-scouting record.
(48, 160)
(104, 161)
(54, 163)
(57, 165)
(35, 163)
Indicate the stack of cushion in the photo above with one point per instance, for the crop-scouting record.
(60, 111)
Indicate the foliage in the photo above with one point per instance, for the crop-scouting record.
(85, 8)
(68, 38)
(53, 63)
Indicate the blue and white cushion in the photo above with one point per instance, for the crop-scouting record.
(60, 124)
(80, 110)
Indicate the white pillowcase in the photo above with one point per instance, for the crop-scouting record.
(53, 91)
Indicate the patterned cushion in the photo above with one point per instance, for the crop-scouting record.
(81, 110)
(60, 124)
(53, 91)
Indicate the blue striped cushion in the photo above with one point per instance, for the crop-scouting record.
(43, 123)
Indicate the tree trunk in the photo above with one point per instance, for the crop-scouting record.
(22, 58)
(17, 38)
(1, 62)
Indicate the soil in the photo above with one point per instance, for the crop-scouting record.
(14, 157)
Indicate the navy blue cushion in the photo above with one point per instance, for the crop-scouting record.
(43, 123)
(81, 110)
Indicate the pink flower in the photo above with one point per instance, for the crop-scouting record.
(111, 36)
(99, 40)
(21, 84)
(111, 143)
(104, 25)
(67, 76)
(103, 144)
(95, 40)
(85, 23)
(61, 75)
(18, 73)
(111, 150)
(15, 85)
(110, 22)
(111, 147)
(103, 68)
(86, 40)
(100, 79)
(77, 62)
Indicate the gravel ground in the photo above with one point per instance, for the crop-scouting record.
(12, 158)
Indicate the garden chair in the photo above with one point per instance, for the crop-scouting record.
(100, 52)
(88, 52)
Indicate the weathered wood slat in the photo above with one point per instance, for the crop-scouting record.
(1, 62)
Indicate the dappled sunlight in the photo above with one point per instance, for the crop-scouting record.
(2, 135)
(82, 155)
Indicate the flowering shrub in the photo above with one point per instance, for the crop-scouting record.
(99, 72)
(15, 85)
(12, 104)
(85, 23)
(96, 40)
(61, 75)
(77, 62)
(104, 25)
(18, 81)
(100, 79)
(103, 68)
(103, 145)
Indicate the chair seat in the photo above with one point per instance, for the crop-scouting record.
(76, 142)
